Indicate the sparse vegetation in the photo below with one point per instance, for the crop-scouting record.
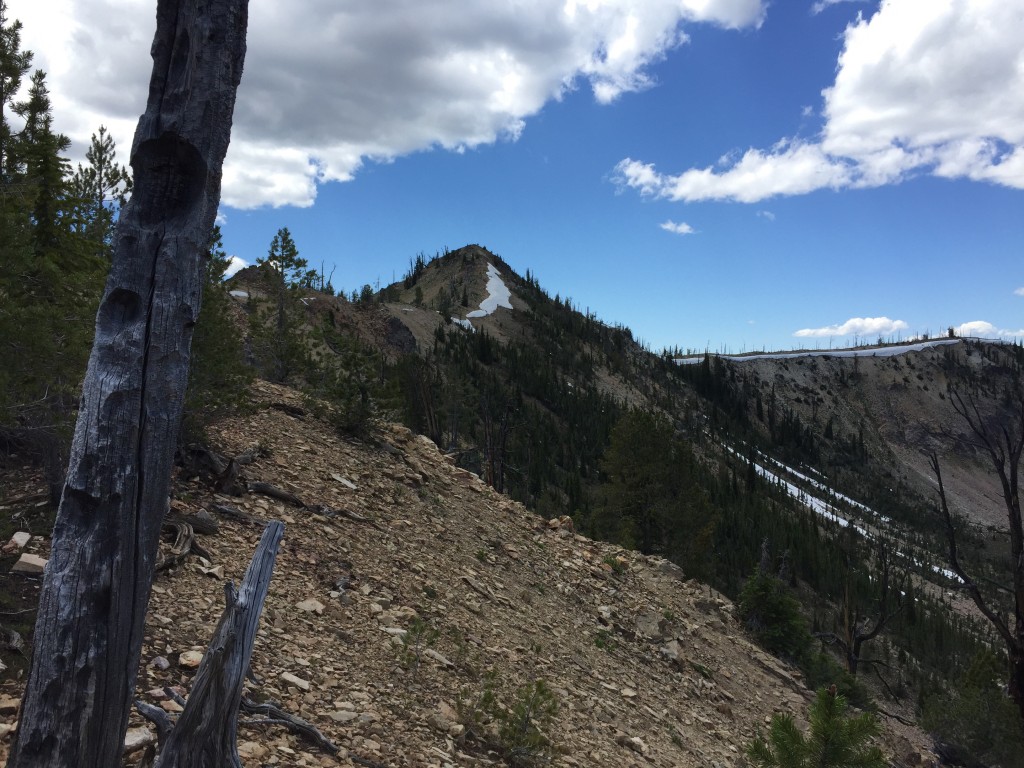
(417, 638)
(515, 727)
(834, 740)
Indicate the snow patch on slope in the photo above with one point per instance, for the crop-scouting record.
(898, 349)
(498, 295)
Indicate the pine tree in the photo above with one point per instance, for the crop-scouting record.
(277, 334)
(14, 65)
(218, 376)
(49, 283)
(833, 741)
(100, 190)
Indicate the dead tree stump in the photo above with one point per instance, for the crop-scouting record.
(206, 733)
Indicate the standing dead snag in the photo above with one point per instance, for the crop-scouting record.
(1001, 440)
(96, 587)
(863, 627)
(205, 736)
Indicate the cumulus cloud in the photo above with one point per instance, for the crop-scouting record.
(766, 215)
(330, 85)
(856, 326)
(1019, 291)
(682, 228)
(235, 265)
(986, 330)
(921, 88)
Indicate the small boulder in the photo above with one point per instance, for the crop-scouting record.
(298, 682)
(312, 605)
(29, 564)
(138, 738)
(190, 659)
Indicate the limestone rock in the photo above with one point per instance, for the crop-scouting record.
(17, 542)
(651, 625)
(9, 705)
(252, 750)
(29, 564)
(298, 682)
(312, 605)
(138, 738)
(190, 659)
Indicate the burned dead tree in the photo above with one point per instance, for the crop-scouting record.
(860, 627)
(1000, 439)
(96, 586)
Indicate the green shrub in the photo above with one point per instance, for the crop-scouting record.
(821, 669)
(516, 730)
(415, 641)
(773, 616)
(833, 740)
(976, 719)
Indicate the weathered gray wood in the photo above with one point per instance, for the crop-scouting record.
(277, 716)
(206, 733)
(96, 587)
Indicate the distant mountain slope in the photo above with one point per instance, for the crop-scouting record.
(893, 401)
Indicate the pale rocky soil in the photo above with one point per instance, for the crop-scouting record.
(647, 668)
(902, 404)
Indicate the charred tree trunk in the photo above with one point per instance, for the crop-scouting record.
(96, 587)
(205, 736)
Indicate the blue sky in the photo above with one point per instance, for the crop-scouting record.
(724, 174)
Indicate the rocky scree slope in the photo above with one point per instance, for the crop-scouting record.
(405, 584)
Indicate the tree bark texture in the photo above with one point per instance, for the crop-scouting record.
(88, 635)
(206, 734)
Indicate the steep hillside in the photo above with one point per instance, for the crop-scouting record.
(869, 418)
(405, 585)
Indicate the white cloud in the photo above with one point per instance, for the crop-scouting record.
(329, 85)
(921, 88)
(1019, 291)
(986, 330)
(766, 215)
(821, 5)
(235, 265)
(682, 228)
(795, 169)
(856, 326)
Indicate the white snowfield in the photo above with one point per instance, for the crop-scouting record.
(498, 295)
(898, 349)
(826, 507)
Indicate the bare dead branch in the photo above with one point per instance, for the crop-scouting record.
(954, 558)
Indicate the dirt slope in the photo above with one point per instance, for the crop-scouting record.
(647, 669)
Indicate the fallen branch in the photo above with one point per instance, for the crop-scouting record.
(32, 498)
(291, 410)
(276, 493)
(278, 716)
(350, 515)
(203, 523)
(896, 717)
(229, 511)
(184, 538)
